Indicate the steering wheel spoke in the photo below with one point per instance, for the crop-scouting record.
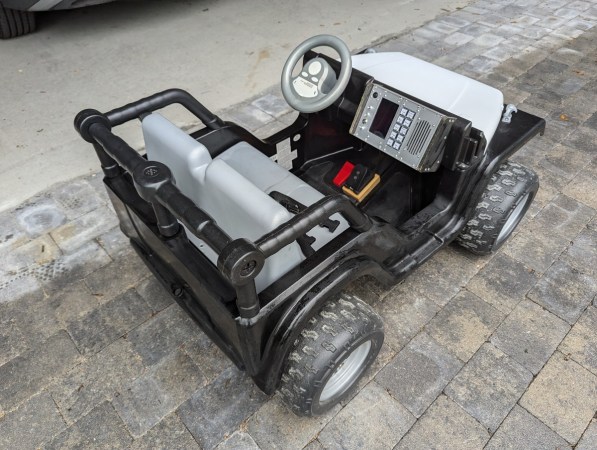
(316, 86)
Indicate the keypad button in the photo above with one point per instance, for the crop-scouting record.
(403, 130)
(399, 138)
(403, 111)
(396, 127)
(393, 134)
(407, 123)
(410, 114)
(396, 145)
(390, 142)
(400, 120)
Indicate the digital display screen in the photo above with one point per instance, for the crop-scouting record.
(384, 118)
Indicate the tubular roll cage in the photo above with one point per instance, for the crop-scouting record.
(239, 260)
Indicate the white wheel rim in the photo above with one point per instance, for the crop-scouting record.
(346, 373)
(514, 219)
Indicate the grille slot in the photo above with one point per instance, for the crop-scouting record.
(418, 138)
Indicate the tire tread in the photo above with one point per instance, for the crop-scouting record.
(506, 187)
(340, 322)
(15, 23)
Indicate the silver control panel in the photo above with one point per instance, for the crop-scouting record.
(401, 127)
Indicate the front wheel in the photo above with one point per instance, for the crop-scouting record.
(15, 23)
(505, 201)
(331, 355)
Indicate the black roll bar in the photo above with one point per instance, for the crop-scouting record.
(157, 101)
(313, 215)
(239, 260)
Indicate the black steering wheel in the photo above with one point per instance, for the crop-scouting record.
(316, 87)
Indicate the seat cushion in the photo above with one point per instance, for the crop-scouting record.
(234, 189)
(269, 177)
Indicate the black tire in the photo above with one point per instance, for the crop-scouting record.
(15, 23)
(505, 201)
(333, 351)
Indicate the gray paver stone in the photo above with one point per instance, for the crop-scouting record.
(274, 105)
(274, 426)
(32, 424)
(564, 291)
(563, 396)
(530, 335)
(30, 372)
(76, 198)
(154, 294)
(449, 269)
(419, 373)
(32, 318)
(118, 276)
(447, 426)
(218, 409)
(154, 395)
(169, 434)
(11, 233)
(489, 386)
(238, 441)
(71, 267)
(12, 341)
(373, 419)
(564, 217)
(74, 234)
(583, 188)
(101, 428)
(248, 116)
(464, 324)
(206, 355)
(314, 445)
(564, 161)
(73, 302)
(404, 315)
(584, 139)
(114, 242)
(108, 322)
(40, 216)
(589, 438)
(503, 282)
(96, 379)
(524, 431)
(581, 343)
(163, 334)
(532, 250)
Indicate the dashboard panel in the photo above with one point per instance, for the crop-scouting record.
(401, 127)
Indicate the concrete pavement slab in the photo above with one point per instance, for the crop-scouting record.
(109, 55)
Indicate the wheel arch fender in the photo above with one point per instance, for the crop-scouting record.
(303, 307)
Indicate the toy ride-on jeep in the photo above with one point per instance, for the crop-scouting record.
(394, 158)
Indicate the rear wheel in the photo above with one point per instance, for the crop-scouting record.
(15, 23)
(505, 201)
(331, 355)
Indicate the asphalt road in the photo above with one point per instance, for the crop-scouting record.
(222, 51)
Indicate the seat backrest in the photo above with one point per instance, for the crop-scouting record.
(237, 205)
(168, 144)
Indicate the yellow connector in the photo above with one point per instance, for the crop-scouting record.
(360, 196)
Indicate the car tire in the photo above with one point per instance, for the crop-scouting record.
(505, 201)
(330, 356)
(15, 23)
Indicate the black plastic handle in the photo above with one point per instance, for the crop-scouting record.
(157, 101)
(315, 214)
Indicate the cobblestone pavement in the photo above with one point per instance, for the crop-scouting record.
(497, 351)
